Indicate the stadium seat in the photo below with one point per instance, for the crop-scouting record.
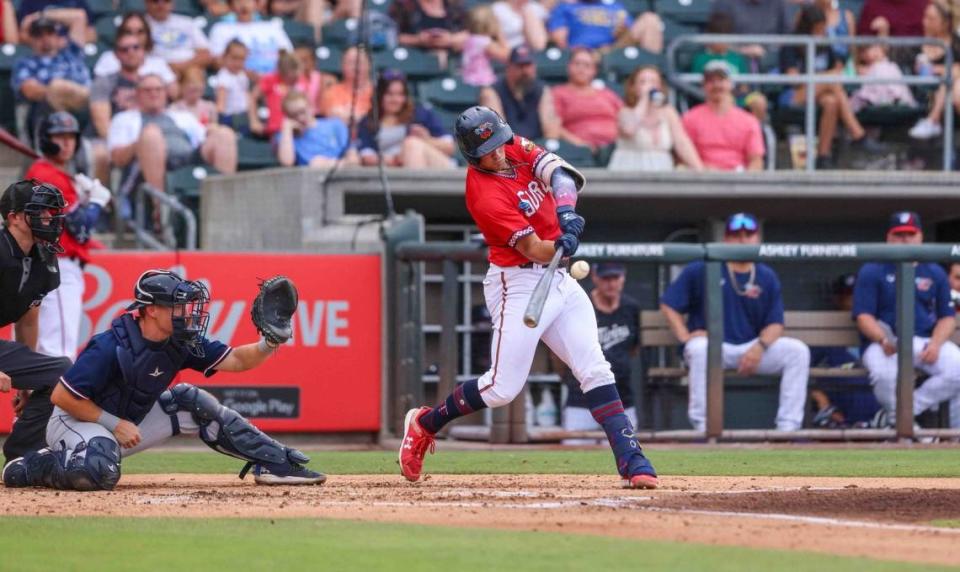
(855, 6)
(106, 27)
(255, 154)
(574, 154)
(328, 59)
(300, 33)
(92, 53)
(614, 86)
(552, 65)
(339, 33)
(618, 64)
(185, 182)
(636, 7)
(448, 117)
(185, 7)
(448, 93)
(417, 64)
(9, 54)
(691, 12)
(673, 29)
(100, 7)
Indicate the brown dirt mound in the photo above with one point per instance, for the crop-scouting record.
(879, 518)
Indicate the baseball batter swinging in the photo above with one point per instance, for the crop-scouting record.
(523, 199)
(114, 401)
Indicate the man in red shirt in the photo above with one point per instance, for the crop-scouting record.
(523, 199)
(62, 310)
(891, 18)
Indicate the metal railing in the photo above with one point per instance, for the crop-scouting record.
(508, 421)
(141, 228)
(811, 78)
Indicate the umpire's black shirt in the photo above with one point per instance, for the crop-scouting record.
(24, 278)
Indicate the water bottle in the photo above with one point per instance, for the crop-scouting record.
(657, 98)
(547, 409)
(924, 67)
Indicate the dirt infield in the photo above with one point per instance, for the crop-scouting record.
(880, 518)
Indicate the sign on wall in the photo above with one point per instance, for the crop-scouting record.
(327, 378)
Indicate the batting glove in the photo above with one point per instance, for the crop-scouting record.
(568, 242)
(570, 221)
(93, 189)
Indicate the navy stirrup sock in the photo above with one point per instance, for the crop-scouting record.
(607, 409)
(464, 400)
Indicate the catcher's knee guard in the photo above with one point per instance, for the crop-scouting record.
(96, 467)
(226, 431)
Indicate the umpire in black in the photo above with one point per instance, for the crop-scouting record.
(32, 222)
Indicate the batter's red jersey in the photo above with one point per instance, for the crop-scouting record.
(509, 206)
(46, 172)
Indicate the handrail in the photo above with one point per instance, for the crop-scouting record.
(190, 220)
(811, 78)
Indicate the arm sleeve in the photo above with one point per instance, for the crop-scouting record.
(944, 307)
(101, 90)
(199, 38)
(123, 131)
(365, 139)
(92, 371)
(866, 293)
(774, 313)
(431, 121)
(214, 352)
(501, 223)
(677, 294)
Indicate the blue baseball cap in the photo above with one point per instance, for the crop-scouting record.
(741, 222)
(904, 221)
(610, 269)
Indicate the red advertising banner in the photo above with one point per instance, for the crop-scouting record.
(327, 378)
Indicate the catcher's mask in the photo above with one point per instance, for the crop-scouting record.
(44, 206)
(187, 298)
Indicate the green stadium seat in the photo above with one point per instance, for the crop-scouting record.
(300, 33)
(448, 117)
(614, 86)
(106, 27)
(339, 33)
(328, 59)
(100, 7)
(618, 64)
(673, 29)
(448, 93)
(635, 7)
(9, 54)
(691, 12)
(255, 154)
(91, 53)
(417, 64)
(855, 6)
(552, 65)
(185, 7)
(185, 182)
(574, 154)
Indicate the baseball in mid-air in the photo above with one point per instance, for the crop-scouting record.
(579, 269)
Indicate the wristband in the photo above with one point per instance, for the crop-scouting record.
(266, 347)
(108, 420)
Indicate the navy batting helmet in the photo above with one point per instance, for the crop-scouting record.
(481, 130)
(56, 124)
(188, 298)
(44, 206)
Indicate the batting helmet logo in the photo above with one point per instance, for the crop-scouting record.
(484, 131)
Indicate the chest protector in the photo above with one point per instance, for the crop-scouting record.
(145, 371)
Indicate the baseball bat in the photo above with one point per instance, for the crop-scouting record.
(531, 317)
(12, 142)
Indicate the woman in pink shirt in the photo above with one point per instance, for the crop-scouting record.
(588, 115)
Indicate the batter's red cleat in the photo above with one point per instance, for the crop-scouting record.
(416, 442)
(641, 482)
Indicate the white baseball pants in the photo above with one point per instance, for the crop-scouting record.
(60, 313)
(942, 385)
(568, 326)
(580, 419)
(787, 356)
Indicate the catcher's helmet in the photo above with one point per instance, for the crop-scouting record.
(481, 130)
(44, 206)
(56, 124)
(188, 298)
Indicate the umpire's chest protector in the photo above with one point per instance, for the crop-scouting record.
(145, 371)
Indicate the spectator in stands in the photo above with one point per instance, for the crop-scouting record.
(352, 98)
(753, 340)
(160, 139)
(435, 25)
(136, 24)
(831, 98)
(525, 102)
(522, 22)
(891, 18)
(874, 309)
(953, 274)
(618, 325)
(726, 137)
(650, 131)
(178, 39)
(875, 63)
(304, 140)
(406, 134)
(306, 11)
(74, 15)
(588, 114)
(236, 107)
(313, 82)
(274, 87)
(192, 86)
(843, 406)
(841, 23)
(215, 8)
(483, 46)
(757, 17)
(55, 74)
(9, 33)
(601, 25)
(264, 38)
(931, 60)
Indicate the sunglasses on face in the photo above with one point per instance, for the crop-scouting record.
(741, 222)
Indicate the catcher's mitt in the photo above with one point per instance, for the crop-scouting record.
(273, 307)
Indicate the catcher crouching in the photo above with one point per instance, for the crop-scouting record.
(115, 400)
